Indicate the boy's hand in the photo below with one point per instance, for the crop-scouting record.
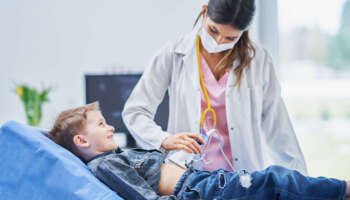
(183, 141)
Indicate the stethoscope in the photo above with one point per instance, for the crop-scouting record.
(209, 108)
(213, 131)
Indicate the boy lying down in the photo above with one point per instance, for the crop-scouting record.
(142, 174)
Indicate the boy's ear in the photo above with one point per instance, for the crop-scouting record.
(80, 141)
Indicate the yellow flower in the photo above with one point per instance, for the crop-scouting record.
(19, 91)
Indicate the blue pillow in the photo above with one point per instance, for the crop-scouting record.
(34, 167)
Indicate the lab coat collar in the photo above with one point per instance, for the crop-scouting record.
(187, 48)
(187, 43)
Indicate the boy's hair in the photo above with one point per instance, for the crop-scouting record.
(70, 123)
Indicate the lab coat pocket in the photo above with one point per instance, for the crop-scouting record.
(256, 100)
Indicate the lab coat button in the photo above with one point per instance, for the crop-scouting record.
(236, 159)
(232, 128)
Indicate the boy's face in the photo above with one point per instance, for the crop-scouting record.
(98, 133)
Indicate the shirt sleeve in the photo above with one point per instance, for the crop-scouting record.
(141, 106)
(126, 181)
(281, 139)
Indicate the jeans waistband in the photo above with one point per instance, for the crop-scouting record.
(183, 178)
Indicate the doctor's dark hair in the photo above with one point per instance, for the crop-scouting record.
(70, 123)
(239, 14)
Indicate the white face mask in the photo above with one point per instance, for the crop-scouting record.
(210, 44)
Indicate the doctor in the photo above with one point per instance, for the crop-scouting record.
(216, 78)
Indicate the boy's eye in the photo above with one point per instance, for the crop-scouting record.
(101, 123)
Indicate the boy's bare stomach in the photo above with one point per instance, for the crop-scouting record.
(169, 176)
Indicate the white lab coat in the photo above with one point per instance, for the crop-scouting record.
(260, 130)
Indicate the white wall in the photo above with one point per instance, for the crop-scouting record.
(268, 27)
(55, 42)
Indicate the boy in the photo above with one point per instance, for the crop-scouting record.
(142, 174)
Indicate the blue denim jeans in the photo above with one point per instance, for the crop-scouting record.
(274, 182)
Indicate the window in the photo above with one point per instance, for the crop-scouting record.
(315, 78)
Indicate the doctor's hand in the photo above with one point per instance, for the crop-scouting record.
(183, 141)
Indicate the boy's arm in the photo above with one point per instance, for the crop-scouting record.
(126, 181)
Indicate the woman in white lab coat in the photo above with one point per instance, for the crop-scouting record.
(217, 58)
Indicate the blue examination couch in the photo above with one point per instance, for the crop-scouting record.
(34, 167)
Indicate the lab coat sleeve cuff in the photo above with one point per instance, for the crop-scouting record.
(162, 137)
